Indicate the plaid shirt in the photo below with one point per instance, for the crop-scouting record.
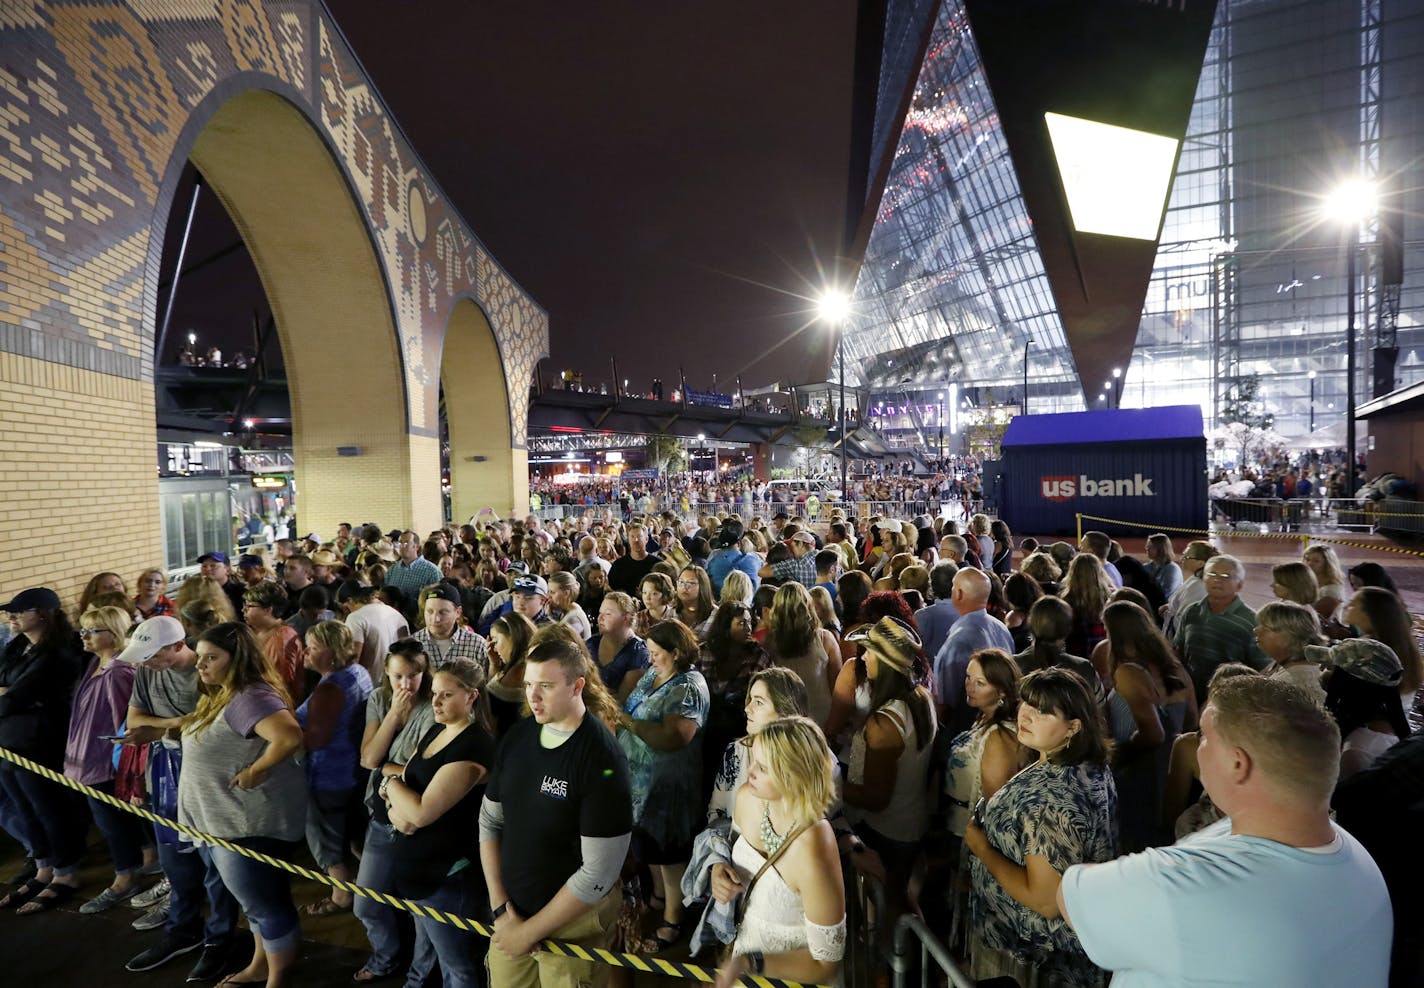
(802, 570)
(463, 644)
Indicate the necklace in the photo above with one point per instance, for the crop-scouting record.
(770, 839)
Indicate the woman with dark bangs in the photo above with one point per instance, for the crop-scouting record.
(1059, 811)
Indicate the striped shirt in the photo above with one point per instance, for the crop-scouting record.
(1207, 640)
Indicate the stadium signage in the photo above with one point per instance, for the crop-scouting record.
(1066, 488)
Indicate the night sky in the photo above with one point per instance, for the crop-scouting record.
(668, 180)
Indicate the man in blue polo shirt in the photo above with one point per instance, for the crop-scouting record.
(1276, 894)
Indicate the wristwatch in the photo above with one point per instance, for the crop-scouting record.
(500, 909)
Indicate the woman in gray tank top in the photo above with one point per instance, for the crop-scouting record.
(240, 782)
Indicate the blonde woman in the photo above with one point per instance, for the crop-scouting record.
(563, 603)
(240, 782)
(1295, 582)
(796, 640)
(793, 925)
(101, 701)
(1330, 578)
(329, 719)
(202, 604)
(152, 598)
(1086, 590)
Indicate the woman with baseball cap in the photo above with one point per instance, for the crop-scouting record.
(38, 670)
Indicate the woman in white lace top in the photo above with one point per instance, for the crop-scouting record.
(793, 925)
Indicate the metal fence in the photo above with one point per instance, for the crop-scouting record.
(908, 931)
(959, 510)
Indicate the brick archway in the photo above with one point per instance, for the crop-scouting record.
(104, 102)
(486, 469)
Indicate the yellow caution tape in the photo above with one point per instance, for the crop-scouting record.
(1238, 534)
(564, 948)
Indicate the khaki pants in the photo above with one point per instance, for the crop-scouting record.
(542, 969)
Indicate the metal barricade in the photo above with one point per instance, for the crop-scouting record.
(911, 928)
(1262, 511)
(866, 907)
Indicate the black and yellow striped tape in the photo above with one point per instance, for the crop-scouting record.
(635, 962)
(1302, 537)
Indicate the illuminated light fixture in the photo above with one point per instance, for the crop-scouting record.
(833, 306)
(1116, 179)
(1351, 201)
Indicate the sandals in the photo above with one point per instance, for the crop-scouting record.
(44, 902)
(665, 942)
(367, 976)
(325, 907)
(26, 891)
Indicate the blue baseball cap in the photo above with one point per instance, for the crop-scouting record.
(217, 557)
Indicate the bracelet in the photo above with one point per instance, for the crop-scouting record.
(384, 788)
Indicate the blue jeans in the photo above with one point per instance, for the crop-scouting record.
(382, 928)
(12, 821)
(264, 892)
(123, 832)
(193, 876)
(461, 955)
(51, 817)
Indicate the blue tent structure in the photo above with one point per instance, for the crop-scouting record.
(1143, 469)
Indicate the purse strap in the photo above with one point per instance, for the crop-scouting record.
(771, 860)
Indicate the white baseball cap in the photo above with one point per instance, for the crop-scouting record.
(150, 636)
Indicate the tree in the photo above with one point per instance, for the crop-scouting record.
(1242, 403)
(665, 453)
(811, 457)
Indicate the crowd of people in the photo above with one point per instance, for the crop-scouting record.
(665, 730)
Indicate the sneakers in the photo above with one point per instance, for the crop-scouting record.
(154, 918)
(107, 899)
(215, 962)
(149, 899)
(161, 953)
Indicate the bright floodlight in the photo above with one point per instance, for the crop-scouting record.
(1116, 179)
(1352, 200)
(833, 306)
(1117, 372)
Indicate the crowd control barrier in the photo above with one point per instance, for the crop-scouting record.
(634, 962)
(911, 928)
(1302, 537)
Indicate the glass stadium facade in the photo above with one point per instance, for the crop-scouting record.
(1249, 278)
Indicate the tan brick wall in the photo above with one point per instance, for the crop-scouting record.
(78, 479)
(361, 256)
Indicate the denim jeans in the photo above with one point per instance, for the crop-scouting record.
(192, 875)
(12, 821)
(264, 892)
(51, 816)
(123, 832)
(460, 954)
(382, 927)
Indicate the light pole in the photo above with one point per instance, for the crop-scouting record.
(1311, 375)
(1351, 203)
(834, 308)
(1027, 343)
(1108, 393)
(941, 430)
(1117, 384)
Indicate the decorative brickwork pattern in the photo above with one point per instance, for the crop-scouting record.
(100, 105)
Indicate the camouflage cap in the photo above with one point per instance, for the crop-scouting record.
(1363, 658)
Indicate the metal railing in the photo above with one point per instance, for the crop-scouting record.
(911, 928)
(953, 508)
(866, 909)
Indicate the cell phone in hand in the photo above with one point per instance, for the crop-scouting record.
(111, 737)
(979, 812)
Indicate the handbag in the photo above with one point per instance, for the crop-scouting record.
(741, 910)
(164, 764)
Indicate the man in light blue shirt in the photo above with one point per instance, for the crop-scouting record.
(975, 629)
(936, 619)
(1276, 894)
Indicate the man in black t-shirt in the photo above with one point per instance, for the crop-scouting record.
(554, 828)
(627, 572)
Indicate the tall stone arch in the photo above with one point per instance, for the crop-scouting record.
(100, 105)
